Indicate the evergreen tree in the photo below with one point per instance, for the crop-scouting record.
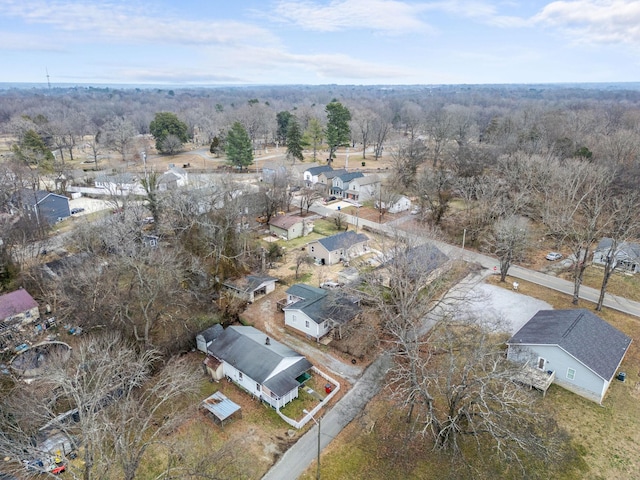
(338, 132)
(283, 119)
(294, 141)
(238, 146)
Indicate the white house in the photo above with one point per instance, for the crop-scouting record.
(581, 349)
(310, 175)
(627, 255)
(174, 177)
(119, 184)
(316, 312)
(396, 205)
(263, 367)
(362, 189)
(341, 246)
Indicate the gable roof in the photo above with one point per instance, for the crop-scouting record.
(285, 221)
(16, 302)
(342, 240)
(211, 333)
(347, 177)
(275, 365)
(594, 342)
(333, 306)
(334, 173)
(249, 283)
(27, 196)
(318, 170)
(630, 250)
(307, 292)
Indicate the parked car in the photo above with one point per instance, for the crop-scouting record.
(553, 256)
(77, 210)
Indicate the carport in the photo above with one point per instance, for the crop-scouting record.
(220, 407)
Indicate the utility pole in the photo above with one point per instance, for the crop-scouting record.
(318, 459)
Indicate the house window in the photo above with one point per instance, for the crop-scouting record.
(293, 318)
(313, 249)
(240, 376)
(28, 314)
(571, 374)
(306, 324)
(258, 387)
(541, 362)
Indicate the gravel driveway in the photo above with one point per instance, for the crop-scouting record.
(511, 307)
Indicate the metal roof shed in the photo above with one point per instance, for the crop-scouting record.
(220, 406)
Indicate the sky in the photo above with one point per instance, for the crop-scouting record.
(316, 42)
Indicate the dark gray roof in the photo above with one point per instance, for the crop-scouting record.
(319, 170)
(342, 240)
(306, 291)
(585, 336)
(245, 349)
(347, 177)
(27, 196)
(211, 333)
(321, 305)
(419, 261)
(334, 173)
(628, 250)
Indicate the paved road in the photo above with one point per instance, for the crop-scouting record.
(296, 460)
(586, 293)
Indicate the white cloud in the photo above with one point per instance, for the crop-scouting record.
(125, 23)
(595, 21)
(389, 16)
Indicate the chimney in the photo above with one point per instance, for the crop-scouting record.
(267, 341)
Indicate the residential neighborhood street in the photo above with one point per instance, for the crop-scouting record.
(296, 460)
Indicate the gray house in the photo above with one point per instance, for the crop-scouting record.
(316, 312)
(581, 349)
(263, 367)
(341, 246)
(627, 255)
(44, 206)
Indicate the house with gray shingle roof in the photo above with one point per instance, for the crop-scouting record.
(325, 179)
(582, 350)
(310, 175)
(290, 226)
(339, 247)
(263, 367)
(316, 312)
(627, 255)
(340, 183)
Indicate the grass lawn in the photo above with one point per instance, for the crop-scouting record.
(621, 284)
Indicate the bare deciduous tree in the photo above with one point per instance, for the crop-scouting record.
(509, 242)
